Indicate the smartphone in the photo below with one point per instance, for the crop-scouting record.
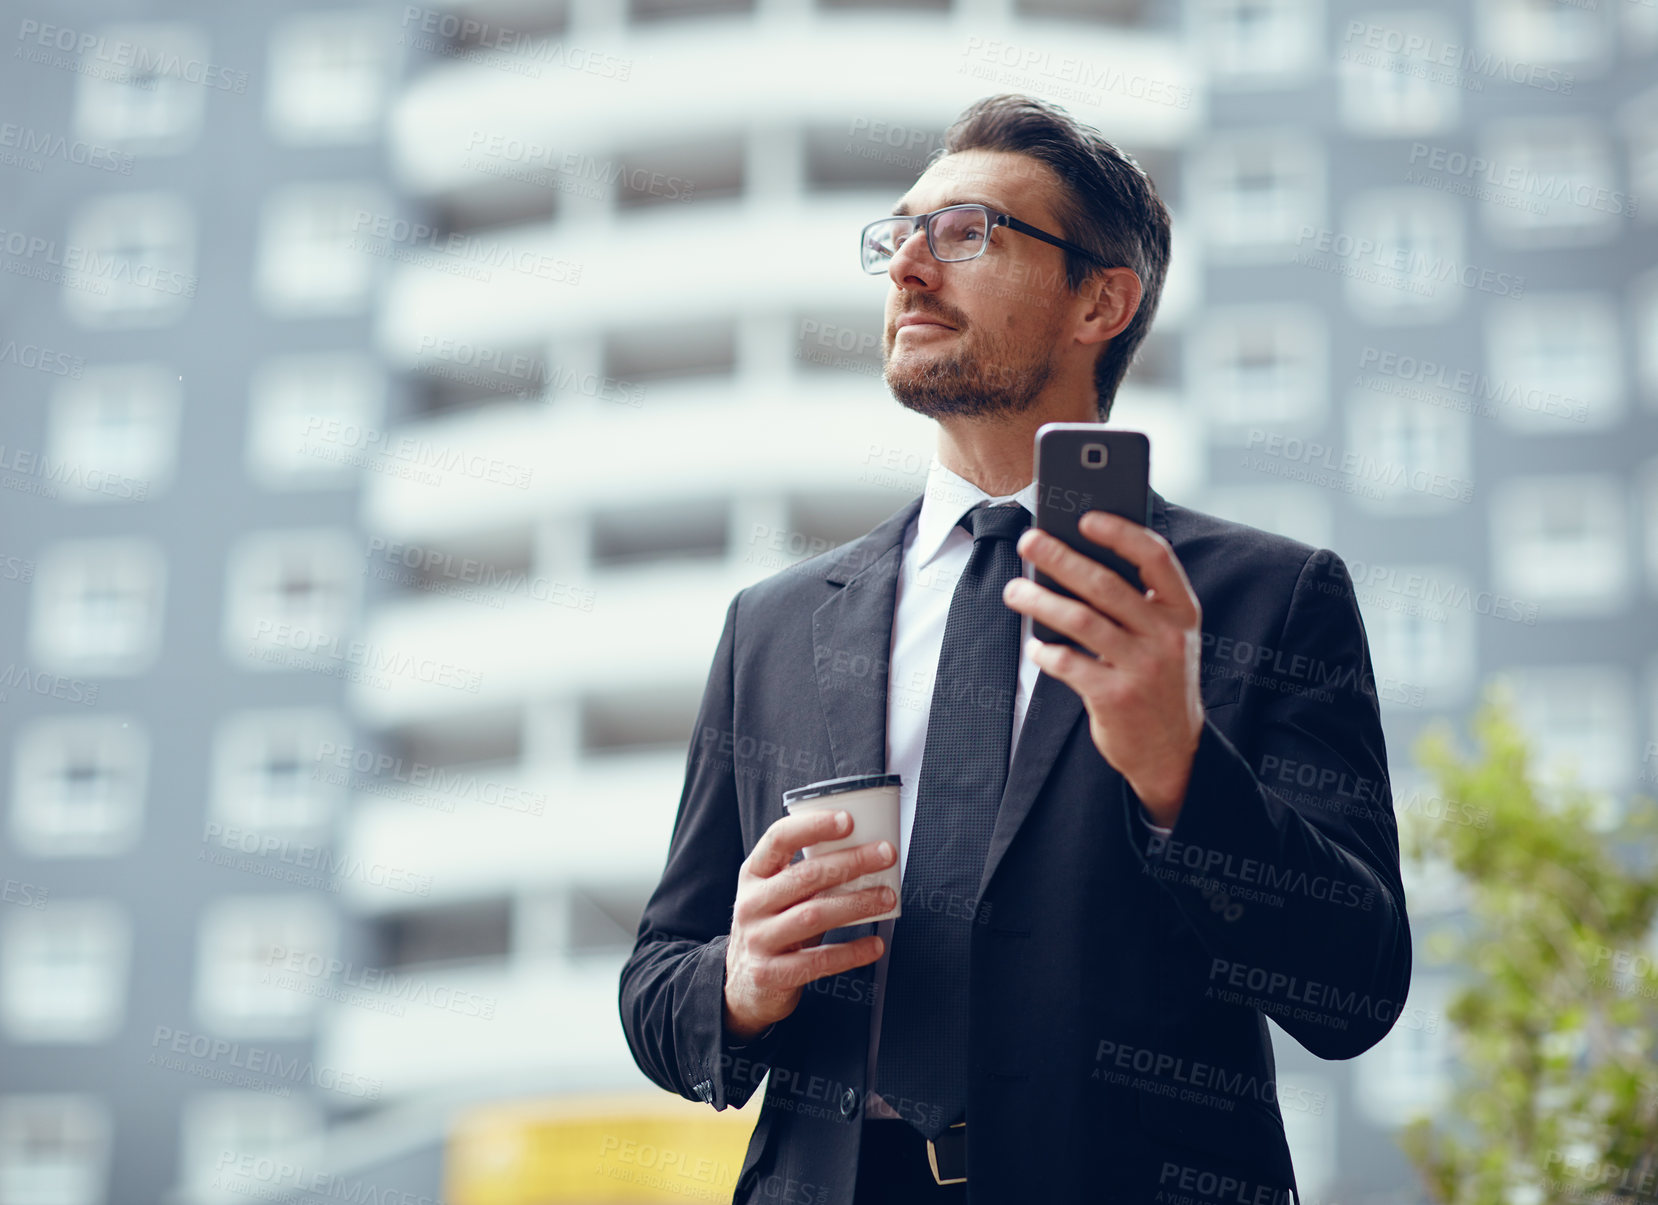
(1082, 467)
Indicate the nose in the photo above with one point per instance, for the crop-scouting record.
(913, 267)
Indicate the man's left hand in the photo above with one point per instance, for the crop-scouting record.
(1141, 688)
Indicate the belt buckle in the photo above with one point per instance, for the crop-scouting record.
(932, 1154)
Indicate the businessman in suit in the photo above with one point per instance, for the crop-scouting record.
(1118, 860)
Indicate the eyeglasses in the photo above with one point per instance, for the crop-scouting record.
(954, 233)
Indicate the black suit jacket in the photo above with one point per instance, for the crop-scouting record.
(1120, 985)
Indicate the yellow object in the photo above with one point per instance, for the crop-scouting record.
(595, 1150)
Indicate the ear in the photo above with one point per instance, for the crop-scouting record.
(1112, 299)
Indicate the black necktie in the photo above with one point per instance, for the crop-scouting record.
(921, 1065)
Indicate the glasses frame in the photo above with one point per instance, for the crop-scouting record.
(993, 218)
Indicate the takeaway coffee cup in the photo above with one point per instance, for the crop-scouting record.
(872, 802)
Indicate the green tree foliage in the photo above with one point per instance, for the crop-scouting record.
(1556, 1015)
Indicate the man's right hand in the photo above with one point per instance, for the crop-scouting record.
(779, 919)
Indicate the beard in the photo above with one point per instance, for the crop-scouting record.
(981, 382)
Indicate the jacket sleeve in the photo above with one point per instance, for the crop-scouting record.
(1285, 855)
(673, 984)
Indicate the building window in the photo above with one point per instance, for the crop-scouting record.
(1649, 484)
(290, 595)
(145, 89)
(1639, 124)
(115, 433)
(138, 257)
(316, 256)
(78, 786)
(1261, 43)
(1561, 543)
(1407, 456)
(273, 771)
(1561, 363)
(1553, 184)
(328, 76)
(1421, 627)
(1409, 1071)
(310, 416)
(1432, 884)
(1527, 32)
(63, 971)
(241, 942)
(1416, 271)
(1644, 295)
(220, 1130)
(54, 1150)
(1301, 512)
(1390, 93)
(1311, 1111)
(1258, 190)
(1260, 364)
(98, 606)
(1580, 720)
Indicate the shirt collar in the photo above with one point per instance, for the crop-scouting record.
(949, 497)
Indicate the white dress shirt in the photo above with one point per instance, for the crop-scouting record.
(935, 553)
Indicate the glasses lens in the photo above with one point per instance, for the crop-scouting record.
(882, 240)
(959, 233)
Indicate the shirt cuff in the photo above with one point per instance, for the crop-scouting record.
(754, 1041)
(1140, 811)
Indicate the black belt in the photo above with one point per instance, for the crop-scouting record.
(947, 1155)
(895, 1153)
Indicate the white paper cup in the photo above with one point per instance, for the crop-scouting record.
(872, 802)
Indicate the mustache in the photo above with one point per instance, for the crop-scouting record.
(931, 311)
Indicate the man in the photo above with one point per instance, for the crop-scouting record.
(1072, 1005)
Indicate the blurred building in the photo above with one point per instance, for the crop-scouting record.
(458, 452)
(182, 571)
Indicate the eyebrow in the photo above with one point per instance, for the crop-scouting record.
(903, 210)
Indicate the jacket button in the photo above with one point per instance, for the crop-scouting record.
(849, 1102)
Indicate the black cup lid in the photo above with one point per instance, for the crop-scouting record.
(834, 786)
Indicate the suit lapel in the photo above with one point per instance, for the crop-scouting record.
(1051, 714)
(852, 642)
(852, 629)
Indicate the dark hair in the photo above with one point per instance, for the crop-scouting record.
(1106, 203)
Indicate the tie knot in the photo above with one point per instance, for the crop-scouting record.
(1004, 522)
